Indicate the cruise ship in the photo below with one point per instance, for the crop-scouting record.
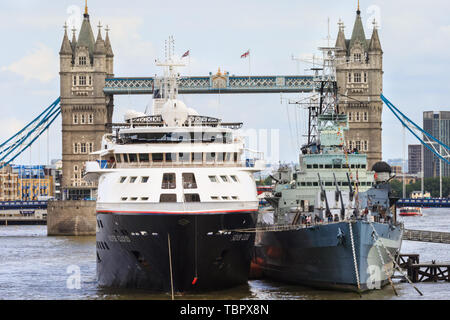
(170, 187)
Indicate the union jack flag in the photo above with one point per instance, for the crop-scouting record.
(245, 55)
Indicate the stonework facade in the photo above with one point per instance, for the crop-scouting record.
(360, 82)
(85, 63)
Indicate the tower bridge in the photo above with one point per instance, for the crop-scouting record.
(88, 86)
(215, 84)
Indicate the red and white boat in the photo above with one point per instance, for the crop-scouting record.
(410, 211)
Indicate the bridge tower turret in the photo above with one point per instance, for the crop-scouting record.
(360, 81)
(85, 63)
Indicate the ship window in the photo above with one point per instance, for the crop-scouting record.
(144, 157)
(122, 179)
(125, 157)
(189, 181)
(133, 199)
(144, 199)
(211, 156)
(169, 181)
(228, 157)
(124, 199)
(337, 166)
(184, 157)
(144, 180)
(221, 157)
(235, 157)
(363, 166)
(213, 178)
(214, 198)
(225, 198)
(234, 178)
(345, 184)
(224, 178)
(132, 157)
(352, 166)
(192, 197)
(235, 198)
(309, 184)
(308, 166)
(345, 166)
(171, 157)
(197, 157)
(315, 166)
(118, 158)
(133, 179)
(316, 184)
(320, 166)
(166, 198)
(328, 166)
(303, 184)
(328, 184)
(157, 157)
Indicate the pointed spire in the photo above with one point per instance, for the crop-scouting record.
(357, 11)
(66, 47)
(74, 39)
(375, 44)
(86, 36)
(99, 44)
(86, 12)
(358, 34)
(109, 51)
(340, 41)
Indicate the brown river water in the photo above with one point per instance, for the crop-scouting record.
(36, 267)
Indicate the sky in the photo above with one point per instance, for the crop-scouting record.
(415, 37)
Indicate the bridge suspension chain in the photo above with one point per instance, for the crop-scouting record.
(440, 149)
(12, 148)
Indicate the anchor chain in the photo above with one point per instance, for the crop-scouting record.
(354, 256)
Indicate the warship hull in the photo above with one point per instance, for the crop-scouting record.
(322, 256)
(133, 251)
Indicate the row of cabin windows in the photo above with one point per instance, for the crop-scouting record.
(170, 198)
(176, 157)
(335, 166)
(83, 147)
(331, 184)
(358, 116)
(169, 180)
(223, 178)
(83, 118)
(167, 198)
(82, 80)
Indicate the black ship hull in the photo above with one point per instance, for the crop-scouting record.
(322, 256)
(133, 250)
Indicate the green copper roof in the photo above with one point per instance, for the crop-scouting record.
(358, 34)
(86, 37)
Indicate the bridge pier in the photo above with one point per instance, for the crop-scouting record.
(71, 218)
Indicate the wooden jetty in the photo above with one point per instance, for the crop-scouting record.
(427, 236)
(424, 272)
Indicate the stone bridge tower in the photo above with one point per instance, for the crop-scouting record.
(360, 82)
(85, 63)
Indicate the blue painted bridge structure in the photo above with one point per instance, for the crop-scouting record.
(215, 84)
(425, 203)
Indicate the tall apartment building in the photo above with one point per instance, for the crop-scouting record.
(438, 125)
(414, 158)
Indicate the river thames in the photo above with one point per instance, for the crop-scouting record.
(36, 267)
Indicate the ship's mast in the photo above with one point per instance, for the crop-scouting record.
(166, 88)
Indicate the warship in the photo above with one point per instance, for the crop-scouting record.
(334, 221)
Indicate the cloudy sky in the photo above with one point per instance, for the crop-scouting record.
(415, 37)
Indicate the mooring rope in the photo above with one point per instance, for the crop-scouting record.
(393, 259)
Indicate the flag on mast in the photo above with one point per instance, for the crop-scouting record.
(245, 55)
(186, 54)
